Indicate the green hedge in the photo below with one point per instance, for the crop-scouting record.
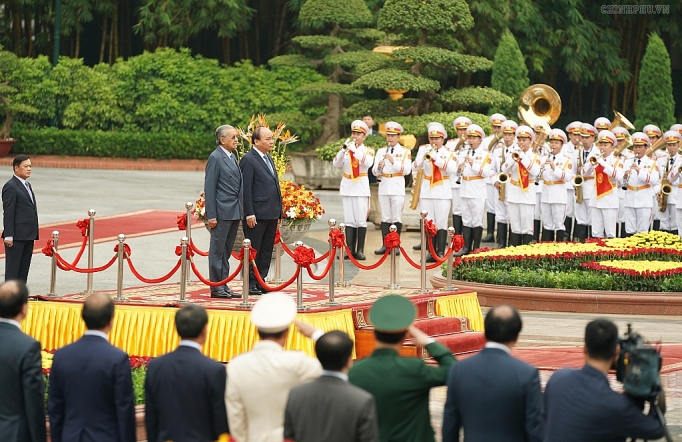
(162, 145)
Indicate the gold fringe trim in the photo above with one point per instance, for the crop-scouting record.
(461, 305)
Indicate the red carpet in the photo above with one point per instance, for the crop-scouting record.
(107, 228)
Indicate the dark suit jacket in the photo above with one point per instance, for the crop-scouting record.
(495, 397)
(185, 397)
(332, 410)
(22, 409)
(20, 214)
(262, 195)
(223, 187)
(91, 393)
(581, 406)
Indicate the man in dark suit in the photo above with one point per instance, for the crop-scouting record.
(91, 387)
(20, 220)
(223, 191)
(22, 410)
(262, 203)
(330, 409)
(580, 405)
(493, 395)
(184, 389)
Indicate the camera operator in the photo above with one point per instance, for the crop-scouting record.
(581, 406)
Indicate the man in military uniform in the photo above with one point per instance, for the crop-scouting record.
(458, 146)
(571, 150)
(400, 385)
(621, 133)
(582, 211)
(672, 137)
(499, 156)
(557, 173)
(665, 164)
(641, 174)
(490, 143)
(602, 123)
(608, 172)
(540, 148)
(654, 133)
(391, 164)
(355, 159)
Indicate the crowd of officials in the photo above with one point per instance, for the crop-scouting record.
(269, 394)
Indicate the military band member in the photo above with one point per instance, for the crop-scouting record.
(437, 163)
(391, 164)
(557, 173)
(675, 176)
(641, 174)
(489, 144)
(677, 128)
(665, 168)
(499, 156)
(622, 135)
(608, 172)
(458, 146)
(602, 123)
(541, 148)
(654, 133)
(571, 151)
(355, 159)
(474, 167)
(522, 166)
(582, 211)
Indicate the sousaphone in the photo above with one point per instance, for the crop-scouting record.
(539, 103)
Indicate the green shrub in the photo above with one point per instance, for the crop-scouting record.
(655, 104)
(510, 74)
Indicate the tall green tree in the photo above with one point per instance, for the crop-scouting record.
(655, 88)
(510, 73)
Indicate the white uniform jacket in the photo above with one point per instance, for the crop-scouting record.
(588, 172)
(363, 157)
(531, 164)
(555, 181)
(640, 193)
(613, 168)
(473, 176)
(675, 178)
(451, 145)
(393, 174)
(445, 164)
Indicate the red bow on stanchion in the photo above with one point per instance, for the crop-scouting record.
(430, 227)
(84, 225)
(392, 240)
(182, 222)
(252, 254)
(457, 243)
(48, 250)
(178, 251)
(126, 250)
(278, 236)
(304, 256)
(338, 238)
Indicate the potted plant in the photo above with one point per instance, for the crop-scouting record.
(9, 80)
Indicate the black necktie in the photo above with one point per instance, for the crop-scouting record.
(638, 162)
(552, 157)
(585, 155)
(672, 161)
(391, 151)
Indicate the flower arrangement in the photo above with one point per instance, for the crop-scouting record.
(200, 207)
(282, 139)
(298, 203)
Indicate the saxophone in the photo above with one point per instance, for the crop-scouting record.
(578, 179)
(502, 177)
(666, 188)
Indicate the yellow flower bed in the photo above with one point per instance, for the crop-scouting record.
(642, 266)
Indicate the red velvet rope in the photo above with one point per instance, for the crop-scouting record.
(430, 227)
(338, 238)
(199, 252)
(274, 288)
(48, 250)
(126, 250)
(165, 277)
(315, 260)
(326, 269)
(66, 266)
(252, 254)
(439, 261)
(219, 283)
(364, 267)
(287, 250)
(77, 259)
(457, 243)
(182, 222)
(178, 252)
(392, 240)
(416, 265)
(278, 236)
(304, 256)
(321, 257)
(84, 225)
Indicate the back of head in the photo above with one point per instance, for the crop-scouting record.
(601, 338)
(98, 311)
(190, 321)
(333, 350)
(13, 296)
(502, 324)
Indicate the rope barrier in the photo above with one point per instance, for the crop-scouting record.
(68, 267)
(321, 258)
(199, 252)
(164, 278)
(276, 288)
(439, 261)
(364, 267)
(314, 261)
(287, 250)
(80, 252)
(219, 283)
(326, 269)
(416, 265)
(84, 225)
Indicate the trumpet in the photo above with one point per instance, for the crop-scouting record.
(427, 155)
(344, 146)
(595, 159)
(502, 177)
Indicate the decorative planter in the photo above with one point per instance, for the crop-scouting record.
(395, 94)
(6, 146)
(314, 173)
(290, 233)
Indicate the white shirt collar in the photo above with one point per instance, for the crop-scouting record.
(262, 155)
(11, 321)
(498, 346)
(335, 374)
(188, 343)
(23, 181)
(229, 154)
(101, 334)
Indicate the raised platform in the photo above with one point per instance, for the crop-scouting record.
(145, 324)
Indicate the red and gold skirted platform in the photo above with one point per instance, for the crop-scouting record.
(145, 325)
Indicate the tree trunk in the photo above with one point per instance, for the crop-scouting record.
(226, 50)
(29, 34)
(330, 121)
(114, 34)
(78, 44)
(103, 44)
(16, 31)
(4, 133)
(111, 40)
(280, 30)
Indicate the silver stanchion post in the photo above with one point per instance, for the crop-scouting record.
(449, 287)
(278, 263)
(246, 250)
(91, 252)
(299, 284)
(332, 226)
(119, 279)
(423, 214)
(342, 250)
(184, 243)
(53, 266)
(393, 284)
(188, 233)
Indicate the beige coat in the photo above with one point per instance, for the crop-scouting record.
(258, 385)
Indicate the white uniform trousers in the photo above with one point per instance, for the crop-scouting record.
(679, 222)
(355, 210)
(621, 205)
(491, 194)
(582, 212)
(472, 212)
(439, 211)
(391, 208)
(604, 222)
(553, 216)
(669, 217)
(654, 212)
(570, 201)
(500, 210)
(637, 219)
(538, 206)
(456, 201)
(521, 218)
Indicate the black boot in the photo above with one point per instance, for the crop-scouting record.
(502, 235)
(547, 235)
(536, 230)
(568, 226)
(478, 233)
(442, 240)
(359, 254)
(434, 243)
(514, 239)
(384, 232)
(399, 228)
(621, 234)
(589, 232)
(559, 236)
(490, 237)
(457, 224)
(527, 239)
(417, 247)
(580, 233)
(657, 224)
(674, 232)
(351, 237)
(468, 234)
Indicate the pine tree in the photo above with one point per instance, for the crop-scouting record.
(510, 74)
(655, 104)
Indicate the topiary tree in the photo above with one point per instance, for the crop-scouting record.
(510, 74)
(655, 104)
(10, 83)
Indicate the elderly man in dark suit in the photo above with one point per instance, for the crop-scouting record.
(223, 191)
(91, 387)
(20, 220)
(494, 396)
(262, 202)
(330, 409)
(184, 389)
(22, 410)
(580, 404)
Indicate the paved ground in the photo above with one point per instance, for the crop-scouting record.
(67, 194)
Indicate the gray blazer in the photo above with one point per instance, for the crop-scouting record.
(332, 410)
(223, 187)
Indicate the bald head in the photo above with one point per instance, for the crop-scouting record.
(98, 311)
(13, 298)
(502, 324)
